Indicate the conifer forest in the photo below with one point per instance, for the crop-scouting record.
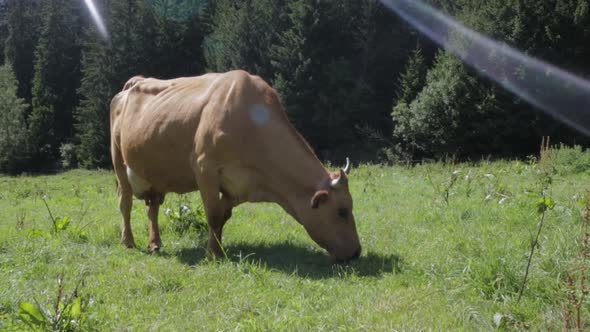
(355, 79)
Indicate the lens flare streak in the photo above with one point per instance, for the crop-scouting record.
(97, 18)
(559, 93)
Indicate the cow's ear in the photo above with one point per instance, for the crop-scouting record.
(320, 197)
(339, 179)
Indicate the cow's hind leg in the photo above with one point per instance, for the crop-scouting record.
(125, 204)
(217, 208)
(125, 199)
(153, 202)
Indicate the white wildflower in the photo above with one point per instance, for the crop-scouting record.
(498, 317)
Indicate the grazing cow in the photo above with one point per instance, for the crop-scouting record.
(227, 136)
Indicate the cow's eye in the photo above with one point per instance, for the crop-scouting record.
(343, 213)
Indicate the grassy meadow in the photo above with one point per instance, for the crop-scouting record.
(445, 247)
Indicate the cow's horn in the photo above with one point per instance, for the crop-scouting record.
(347, 167)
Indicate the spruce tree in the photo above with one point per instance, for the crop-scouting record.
(55, 81)
(179, 35)
(133, 39)
(411, 81)
(22, 24)
(96, 91)
(370, 49)
(12, 124)
(242, 35)
(3, 28)
(294, 68)
(106, 66)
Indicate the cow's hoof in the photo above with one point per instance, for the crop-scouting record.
(128, 244)
(154, 248)
(215, 254)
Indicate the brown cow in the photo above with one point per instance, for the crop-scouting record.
(227, 136)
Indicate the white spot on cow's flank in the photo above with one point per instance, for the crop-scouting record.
(259, 114)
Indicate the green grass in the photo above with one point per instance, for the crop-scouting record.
(426, 264)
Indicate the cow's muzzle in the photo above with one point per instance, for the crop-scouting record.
(356, 254)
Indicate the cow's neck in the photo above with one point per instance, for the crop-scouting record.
(296, 179)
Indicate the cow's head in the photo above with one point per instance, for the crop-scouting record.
(330, 221)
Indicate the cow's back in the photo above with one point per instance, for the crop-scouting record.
(153, 125)
(164, 127)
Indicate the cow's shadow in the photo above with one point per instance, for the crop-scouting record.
(296, 260)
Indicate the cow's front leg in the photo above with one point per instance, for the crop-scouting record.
(216, 218)
(153, 202)
(217, 208)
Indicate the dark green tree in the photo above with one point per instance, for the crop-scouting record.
(57, 76)
(133, 39)
(96, 91)
(294, 62)
(105, 67)
(412, 79)
(179, 34)
(411, 82)
(178, 10)
(333, 65)
(22, 24)
(158, 42)
(376, 45)
(3, 27)
(12, 124)
(242, 33)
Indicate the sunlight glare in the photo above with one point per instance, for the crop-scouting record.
(97, 18)
(555, 91)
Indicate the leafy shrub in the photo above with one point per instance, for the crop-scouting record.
(185, 218)
(68, 155)
(571, 160)
(430, 124)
